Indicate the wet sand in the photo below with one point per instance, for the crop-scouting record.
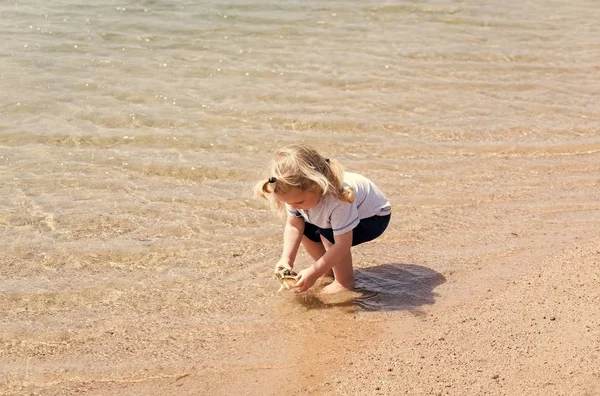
(486, 282)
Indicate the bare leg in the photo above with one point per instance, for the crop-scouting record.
(316, 250)
(342, 271)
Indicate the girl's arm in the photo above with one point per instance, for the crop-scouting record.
(292, 236)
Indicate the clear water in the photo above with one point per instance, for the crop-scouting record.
(131, 133)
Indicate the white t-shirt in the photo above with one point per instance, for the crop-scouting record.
(343, 216)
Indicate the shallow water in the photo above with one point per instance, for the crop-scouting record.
(158, 115)
(132, 133)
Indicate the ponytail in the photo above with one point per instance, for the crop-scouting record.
(347, 194)
(335, 175)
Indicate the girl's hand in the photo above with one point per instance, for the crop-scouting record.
(282, 264)
(306, 279)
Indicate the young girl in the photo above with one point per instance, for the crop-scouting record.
(328, 211)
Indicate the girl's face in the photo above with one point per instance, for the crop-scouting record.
(299, 199)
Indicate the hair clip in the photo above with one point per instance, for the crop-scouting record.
(272, 180)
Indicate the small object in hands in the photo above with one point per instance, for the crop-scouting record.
(287, 278)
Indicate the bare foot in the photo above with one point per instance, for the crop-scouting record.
(335, 287)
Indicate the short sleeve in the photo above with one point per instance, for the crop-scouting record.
(344, 217)
(291, 211)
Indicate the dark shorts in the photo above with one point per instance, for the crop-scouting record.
(366, 230)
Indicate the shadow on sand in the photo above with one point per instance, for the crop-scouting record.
(387, 287)
(393, 287)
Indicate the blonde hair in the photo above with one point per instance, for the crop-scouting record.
(303, 168)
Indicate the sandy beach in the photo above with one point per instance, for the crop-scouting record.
(503, 300)
(135, 260)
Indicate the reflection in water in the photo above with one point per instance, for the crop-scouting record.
(314, 299)
(391, 287)
(344, 299)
